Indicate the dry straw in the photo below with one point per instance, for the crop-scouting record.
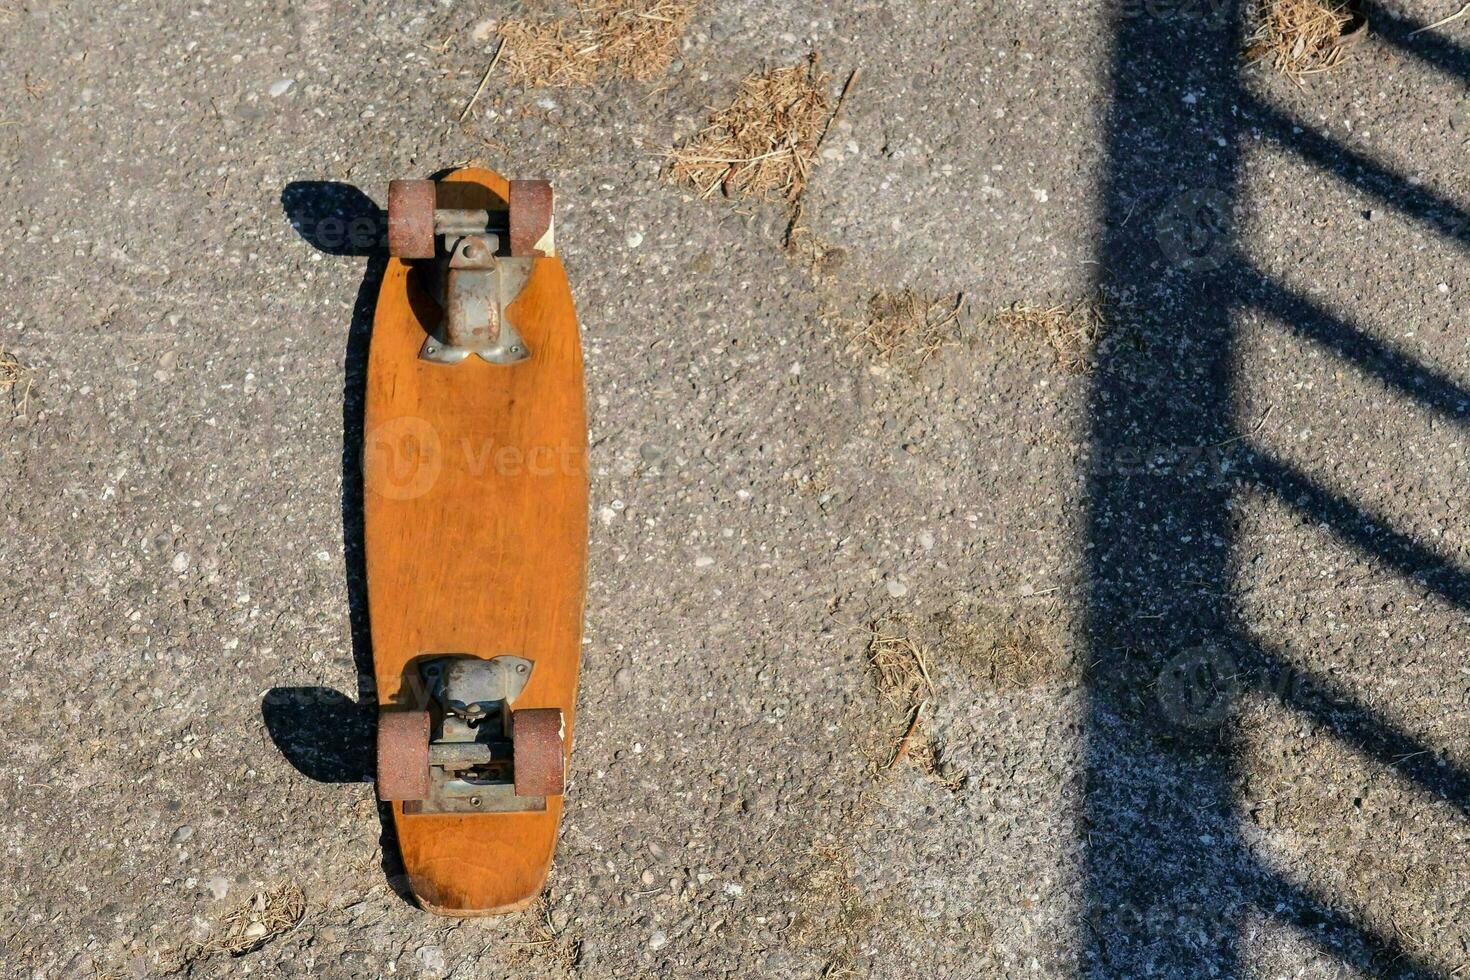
(1302, 37)
(1072, 331)
(765, 142)
(904, 326)
(540, 936)
(265, 915)
(15, 381)
(899, 665)
(627, 38)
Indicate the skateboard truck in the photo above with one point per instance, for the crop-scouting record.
(469, 752)
(486, 260)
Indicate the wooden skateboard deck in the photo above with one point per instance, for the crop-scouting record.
(475, 513)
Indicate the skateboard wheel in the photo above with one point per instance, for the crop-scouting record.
(411, 219)
(531, 218)
(403, 755)
(540, 758)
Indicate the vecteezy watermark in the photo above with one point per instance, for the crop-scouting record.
(1198, 688)
(1194, 229)
(405, 458)
(1203, 11)
(1208, 465)
(402, 458)
(332, 233)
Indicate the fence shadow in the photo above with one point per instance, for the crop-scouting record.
(1170, 883)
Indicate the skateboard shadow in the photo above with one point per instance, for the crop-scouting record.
(325, 734)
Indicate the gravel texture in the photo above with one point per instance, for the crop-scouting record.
(1237, 550)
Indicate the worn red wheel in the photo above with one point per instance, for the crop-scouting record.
(532, 217)
(403, 755)
(411, 219)
(539, 753)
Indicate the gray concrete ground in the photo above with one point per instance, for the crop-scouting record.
(174, 545)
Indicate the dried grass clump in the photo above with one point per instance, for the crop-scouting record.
(629, 38)
(899, 666)
(764, 142)
(266, 915)
(15, 381)
(1011, 656)
(551, 53)
(540, 937)
(640, 37)
(1073, 332)
(1019, 659)
(1301, 37)
(903, 326)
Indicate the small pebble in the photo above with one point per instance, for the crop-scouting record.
(281, 87)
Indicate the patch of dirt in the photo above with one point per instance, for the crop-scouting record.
(832, 913)
(634, 39)
(845, 924)
(1302, 37)
(904, 327)
(765, 142)
(821, 258)
(1009, 655)
(1073, 332)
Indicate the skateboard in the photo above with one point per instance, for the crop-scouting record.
(475, 535)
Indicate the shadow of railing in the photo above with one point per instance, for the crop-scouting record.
(1416, 40)
(1170, 880)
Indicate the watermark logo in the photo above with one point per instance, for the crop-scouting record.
(1209, 465)
(1205, 12)
(402, 458)
(1198, 688)
(1194, 229)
